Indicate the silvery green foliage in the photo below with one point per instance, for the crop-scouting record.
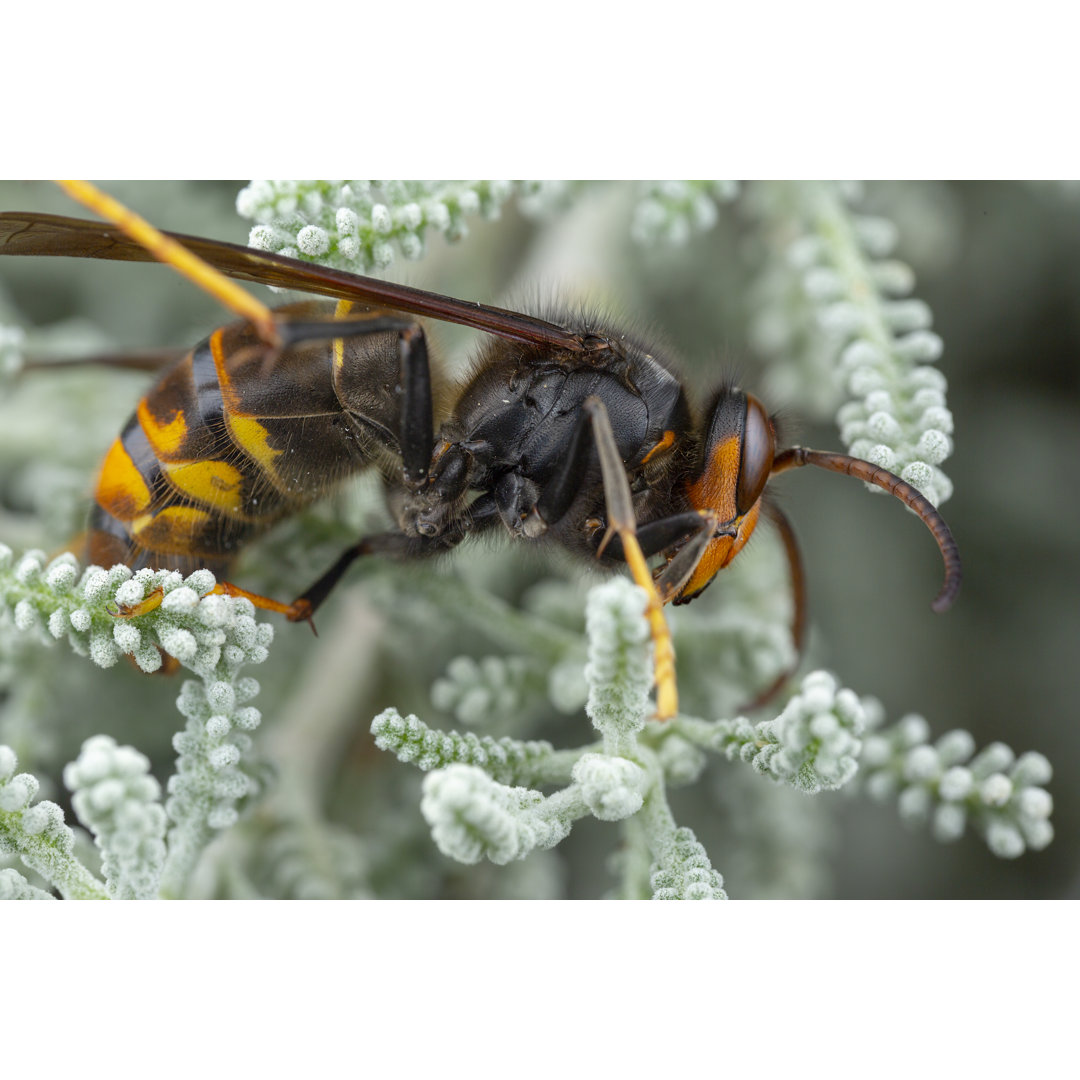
(479, 692)
(671, 211)
(362, 224)
(475, 796)
(813, 744)
(13, 886)
(776, 843)
(834, 311)
(209, 781)
(37, 834)
(685, 873)
(619, 669)
(358, 224)
(118, 800)
(474, 817)
(212, 635)
(326, 863)
(948, 785)
(505, 760)
(480, 796)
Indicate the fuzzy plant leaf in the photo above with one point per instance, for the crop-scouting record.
(475, 797)
(361, 224)
(671, 211)
(949, 786)
(619, 670)
(210, 780)
(213, 635)
(813, 744)
(505, 760)
(37, 834)
(474, 817)
(834, 311)
(115, 797)
(479, 693)
(13, 886)
(686, 873)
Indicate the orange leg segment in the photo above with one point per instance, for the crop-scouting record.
(667, 695)
(620, 508)
(149, 603)
(298, 611)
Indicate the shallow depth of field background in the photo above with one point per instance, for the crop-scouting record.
(999, 265)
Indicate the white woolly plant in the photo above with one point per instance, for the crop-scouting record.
(481, 795)
(118, 800)
(362, 224)
(479, 798)
(671, 211)
(834, 313)
(948, 785)
(213, 636)
(358, 224)
(825, 736)
(813, 744)
(35, 832)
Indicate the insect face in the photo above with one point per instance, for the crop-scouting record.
(430, 507)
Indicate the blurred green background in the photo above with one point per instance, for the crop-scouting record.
(998, 264)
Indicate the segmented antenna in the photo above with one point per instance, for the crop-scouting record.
(910, 496)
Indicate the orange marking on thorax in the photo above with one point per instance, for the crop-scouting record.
(120, 488)
(663, 444)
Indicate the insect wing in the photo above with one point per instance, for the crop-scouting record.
(49, 234)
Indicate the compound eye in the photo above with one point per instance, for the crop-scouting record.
(758, 450)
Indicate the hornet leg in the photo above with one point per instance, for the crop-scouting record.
(482, 515)
(621, 522)
(555, 500)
